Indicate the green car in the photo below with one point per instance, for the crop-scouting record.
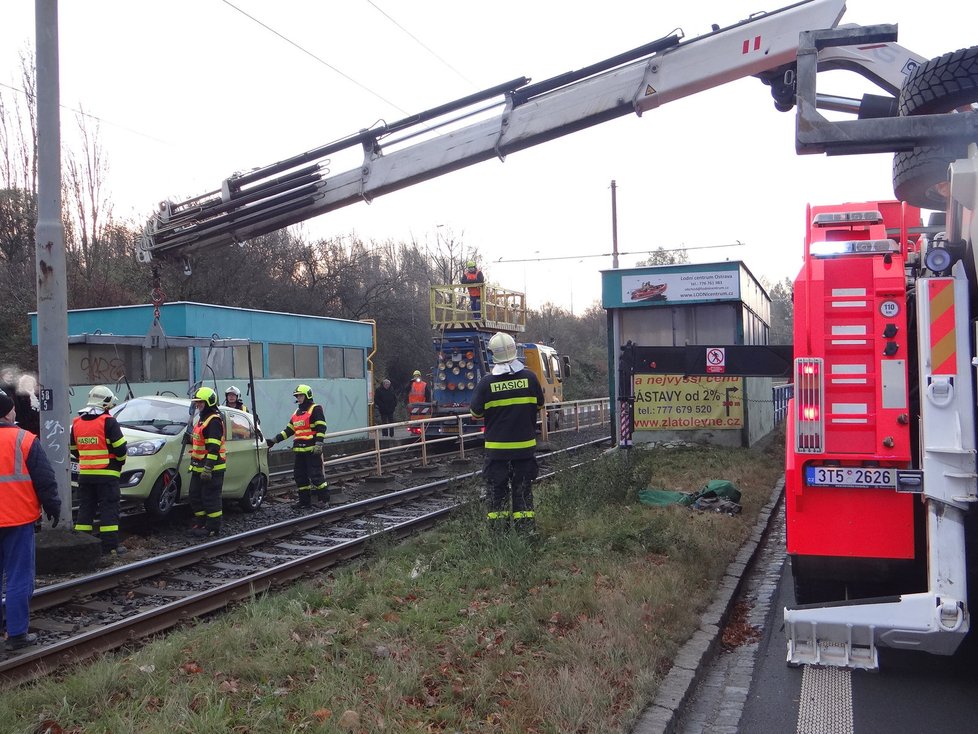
(154, 428)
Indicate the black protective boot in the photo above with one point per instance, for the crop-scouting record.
(18, 642)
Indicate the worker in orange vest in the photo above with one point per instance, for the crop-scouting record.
(27, 483)
(419, 396)
(473, 278)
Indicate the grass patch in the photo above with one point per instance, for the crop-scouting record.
(457, 630)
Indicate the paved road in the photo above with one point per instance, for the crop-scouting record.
(750, 690)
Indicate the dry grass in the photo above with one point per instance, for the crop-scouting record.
(456, 631)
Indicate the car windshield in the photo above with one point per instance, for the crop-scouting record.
(155, 416)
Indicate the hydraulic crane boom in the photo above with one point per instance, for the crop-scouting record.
(520, 115)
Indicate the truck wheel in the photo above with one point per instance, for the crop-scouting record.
(941, 85)
(254, 496)
(164, 495)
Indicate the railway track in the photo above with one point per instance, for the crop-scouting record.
(81, 617)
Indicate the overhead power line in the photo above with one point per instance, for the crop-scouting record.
(314, 56)
(738, 243)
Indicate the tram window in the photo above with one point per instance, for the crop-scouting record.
(90, 364)
(219, 360)
(332, 362)
(167, 365)
(353, 363)
(306, 361)
(280, 362)
(241, 361)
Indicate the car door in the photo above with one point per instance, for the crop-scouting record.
(242, 461)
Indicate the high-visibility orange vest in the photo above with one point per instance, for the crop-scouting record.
(302, 424)
(417, 391)
(92, 446)
(470, 278)
(18, 500)
(199, 451)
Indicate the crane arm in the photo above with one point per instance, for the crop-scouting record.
(507, 118)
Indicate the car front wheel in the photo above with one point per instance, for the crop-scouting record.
(254, 496)
(164, 494)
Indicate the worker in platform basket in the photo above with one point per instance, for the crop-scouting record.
(27, 482)
(99, 449)
(308, 429)
(232, 399)
(208, 462)
(509, 399)
(474, 279)
(418, 396)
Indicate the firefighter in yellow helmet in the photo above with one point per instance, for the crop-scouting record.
(509, 399)
(99, 449)
(308, 429)
(208, 462)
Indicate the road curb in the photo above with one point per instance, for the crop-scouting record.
(692, 660)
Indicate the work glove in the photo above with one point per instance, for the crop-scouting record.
(54, 517)
(317, 449)
(207, 473)
(269, 442)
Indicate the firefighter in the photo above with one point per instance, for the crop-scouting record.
(418, 396)
(27, 483)
(509, 400)
(99, 448)
(308, 426)
(232, 399)
(471, 276)
(208, 461)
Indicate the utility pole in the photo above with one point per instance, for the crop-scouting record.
(51, 262)
(615, 324)
(614, 225)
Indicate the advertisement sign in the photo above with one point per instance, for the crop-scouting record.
(677, 403)
(662, 288)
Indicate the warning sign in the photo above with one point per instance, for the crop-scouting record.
(716, 360)
(674, 402)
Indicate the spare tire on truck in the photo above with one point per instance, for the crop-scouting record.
(944, 84)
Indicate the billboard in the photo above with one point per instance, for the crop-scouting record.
(688, 403)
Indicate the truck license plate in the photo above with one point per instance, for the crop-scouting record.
(861, 477)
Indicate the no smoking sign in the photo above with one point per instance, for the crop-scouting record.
(716, 360)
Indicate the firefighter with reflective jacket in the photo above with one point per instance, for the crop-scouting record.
(99, 448)
(308, 427)
(473, 277)
(208, 462)
(418, 396)
(509, 400)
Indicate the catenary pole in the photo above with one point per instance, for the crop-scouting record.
(52, 292)
(615, 324)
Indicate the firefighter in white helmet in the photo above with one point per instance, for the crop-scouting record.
(509, 400)
(232, 399)
(99, 448)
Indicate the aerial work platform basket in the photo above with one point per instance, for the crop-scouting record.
(497, 309)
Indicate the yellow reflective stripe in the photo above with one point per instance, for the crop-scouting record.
(522, 515)
(98, 472)
(78, 526)
(501, 515)
(215, 514)
(108, 528)
(525, 400)
(117, 443)
(511, 444)
(199, 513)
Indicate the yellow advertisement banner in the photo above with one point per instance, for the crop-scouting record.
(677, 403)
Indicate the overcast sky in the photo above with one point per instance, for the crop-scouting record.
(190, 91)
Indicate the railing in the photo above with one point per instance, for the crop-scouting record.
(451, 307)
(780, 395)
(556, 418)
